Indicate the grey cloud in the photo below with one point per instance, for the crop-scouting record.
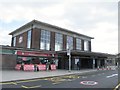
(79, 14)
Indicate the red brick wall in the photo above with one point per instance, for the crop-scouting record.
(82, 43)
(36, 34)
(17, 41)
(25, 40)
(12, 42)
(89, 45)
(52, 43)
(74, 43)
(23, 44)
(64, 41)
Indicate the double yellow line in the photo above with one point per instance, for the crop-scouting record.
(17, 82)
(31, 86)
(117, 87)
(55, 80)
(5, 83)
(23, 81)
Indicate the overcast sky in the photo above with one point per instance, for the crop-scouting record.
(95, 18)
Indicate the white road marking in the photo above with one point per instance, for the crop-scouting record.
(88, 82)
(112, 75)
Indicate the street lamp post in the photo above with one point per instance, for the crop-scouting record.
(69, 54)
(70, 62)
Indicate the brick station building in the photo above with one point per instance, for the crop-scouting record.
(38, 43)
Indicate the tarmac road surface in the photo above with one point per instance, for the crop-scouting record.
(99, 79)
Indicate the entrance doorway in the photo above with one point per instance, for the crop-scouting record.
(86, 63)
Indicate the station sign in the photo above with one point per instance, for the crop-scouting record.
(27, 53)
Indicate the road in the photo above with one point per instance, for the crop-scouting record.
(100, 79)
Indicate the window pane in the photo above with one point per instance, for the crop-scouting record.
(29, 39)
(42, 45)
(69, 42)
(14, 41)
(47, 46)
(86, 45)
(78, 44)
(58, 41)
(45, 40)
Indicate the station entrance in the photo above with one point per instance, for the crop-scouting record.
(86, 60)
(83, 63)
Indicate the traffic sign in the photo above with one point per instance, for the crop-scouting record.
(68, 52)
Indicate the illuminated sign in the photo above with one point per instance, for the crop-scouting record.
(26, 53)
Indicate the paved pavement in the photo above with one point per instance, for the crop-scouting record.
(11, 75)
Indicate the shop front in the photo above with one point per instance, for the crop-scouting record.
(35, 61)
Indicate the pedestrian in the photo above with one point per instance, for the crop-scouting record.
(22, 66)
(35, 67)
(78, 65)
(47, 66)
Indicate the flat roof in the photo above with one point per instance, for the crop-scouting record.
(86, 53)
(30, 24)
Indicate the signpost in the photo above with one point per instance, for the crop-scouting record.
(69, 54)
